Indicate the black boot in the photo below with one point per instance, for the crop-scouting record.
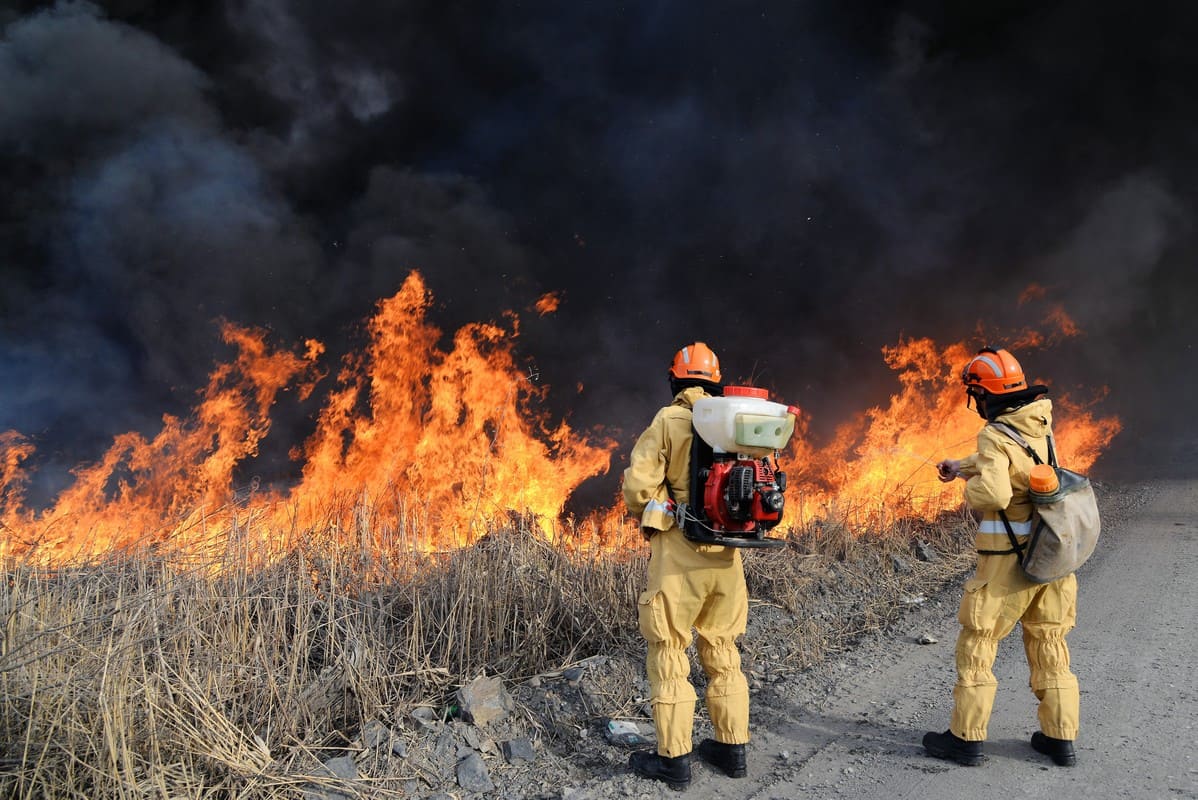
(729, 758)
(1059, 750)
(676, 772)
(947, 745)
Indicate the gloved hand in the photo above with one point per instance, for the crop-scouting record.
(948, 469)
(659, 515)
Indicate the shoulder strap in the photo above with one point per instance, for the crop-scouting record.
(1014, 435)
(1016, 547)
(701, 458)
(1019, 440)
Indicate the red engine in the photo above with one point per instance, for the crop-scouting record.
(743, 495)
(735, 485)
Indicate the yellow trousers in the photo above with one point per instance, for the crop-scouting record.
(996, 598)
(699, 587)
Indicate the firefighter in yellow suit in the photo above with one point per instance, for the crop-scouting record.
(998, 596)
(690, 587)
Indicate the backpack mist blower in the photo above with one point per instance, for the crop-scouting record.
(736, 485)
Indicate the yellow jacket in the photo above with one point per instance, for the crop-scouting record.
(999, 473)
(659, 466)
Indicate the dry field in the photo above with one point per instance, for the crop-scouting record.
(157, 676)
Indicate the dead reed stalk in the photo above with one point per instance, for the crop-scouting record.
(160, 676)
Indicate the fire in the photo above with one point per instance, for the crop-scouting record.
(411, 438)
(431, 446)
(450, 435)
(147, 490)
(881, 466)
(547, 303)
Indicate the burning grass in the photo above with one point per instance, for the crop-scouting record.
(158, 676)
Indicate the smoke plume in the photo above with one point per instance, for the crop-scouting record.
(799, 184)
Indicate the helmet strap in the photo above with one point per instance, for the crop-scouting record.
(679, 384)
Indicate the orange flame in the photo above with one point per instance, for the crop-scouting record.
(432, 447)
(547, 303)
(881, 466)
(445, 443)
(1033, 291)
(451, 434)
(141, 490)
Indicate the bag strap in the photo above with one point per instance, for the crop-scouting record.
(1016, 547)
(1019, 440)
(1013, 434)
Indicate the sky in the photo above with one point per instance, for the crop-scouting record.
(799, 184)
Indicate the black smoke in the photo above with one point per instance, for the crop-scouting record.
(798, 184)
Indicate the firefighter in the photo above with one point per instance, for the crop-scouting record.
(999, 595)
(690, 586)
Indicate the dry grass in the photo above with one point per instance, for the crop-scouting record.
(157, 677)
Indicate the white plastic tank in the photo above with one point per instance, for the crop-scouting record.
(744, 421)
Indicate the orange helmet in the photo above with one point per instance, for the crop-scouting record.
(696, 362)
(994, 371)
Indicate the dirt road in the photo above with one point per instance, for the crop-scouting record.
(1134, 651)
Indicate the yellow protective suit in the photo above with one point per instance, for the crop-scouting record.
(690, 586)
(998, 596)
